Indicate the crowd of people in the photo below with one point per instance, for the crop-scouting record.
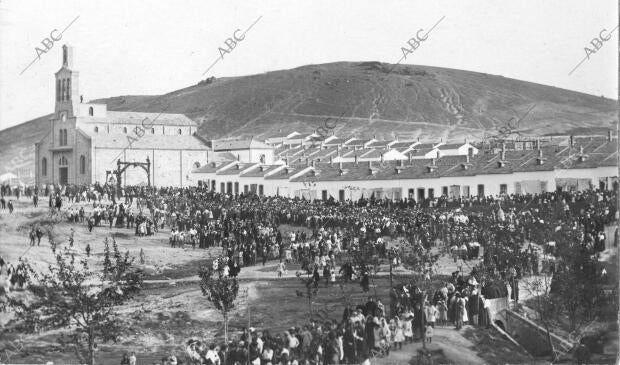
(363, 332)
(513, 232)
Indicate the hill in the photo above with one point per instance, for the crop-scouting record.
(410, 101)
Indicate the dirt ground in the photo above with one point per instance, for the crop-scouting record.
(171, 309)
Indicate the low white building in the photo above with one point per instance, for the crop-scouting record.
(248, 150)
(589, 165)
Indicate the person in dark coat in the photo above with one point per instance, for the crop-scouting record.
(370, 308)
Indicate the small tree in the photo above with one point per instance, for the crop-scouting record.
(423, 263)
(219, 289)
(365, 258)
(545, 304)
(312, 287)
(73, 296)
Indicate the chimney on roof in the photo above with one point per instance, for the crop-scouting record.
(540, 158)
(465, 140)
(374, 136)
(609, 135)
(418, 139)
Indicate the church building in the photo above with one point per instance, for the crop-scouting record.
(85, 141)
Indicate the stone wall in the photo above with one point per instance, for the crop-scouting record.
(532, 336)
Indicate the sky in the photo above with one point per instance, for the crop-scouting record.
(129, 47)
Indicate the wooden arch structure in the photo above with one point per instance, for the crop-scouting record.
(121, 166)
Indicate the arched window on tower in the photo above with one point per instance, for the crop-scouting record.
(62, 89)
(90, 111)
(57, 90)
(82, 165)
(44, 166)
(68, 89)
(60, 138)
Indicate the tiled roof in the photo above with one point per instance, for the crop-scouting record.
(235, 169)
(418, 152)
(334, 142)
(357, 142)
(114, 117)
(256, 172)
(208, 168)
(403, 144)
(450, 146)
(425, 145)
(238, 144)
(331, 151)
(283, 174)
(454, 166)
(378, 144)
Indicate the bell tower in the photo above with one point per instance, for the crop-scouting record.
(67, 87)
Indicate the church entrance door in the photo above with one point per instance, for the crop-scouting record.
(63, 174)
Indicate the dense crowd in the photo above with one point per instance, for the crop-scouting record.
(517, 235)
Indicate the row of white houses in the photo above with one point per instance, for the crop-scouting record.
(591, 164)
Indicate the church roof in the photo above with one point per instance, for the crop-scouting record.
(168, 119)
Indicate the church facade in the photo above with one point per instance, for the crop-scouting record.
(85, 141)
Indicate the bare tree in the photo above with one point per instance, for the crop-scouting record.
(219, 289)
(73, 296)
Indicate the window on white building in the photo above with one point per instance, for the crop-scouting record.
(503, 189)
